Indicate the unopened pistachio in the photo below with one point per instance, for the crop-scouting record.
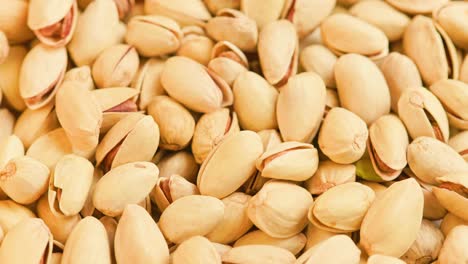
(196, 249)
(12, 148)
(169, 189)
(426, 247)
(228, 61)
(453, 95)
(293, 244)
(328, 175)
(460, 144)
(9, 72)
(196, 45)
(191, 12)
(14, 21)
(11, 213)
(326, 251)
(147, 81)
(453, 250)
(319, 59)
(259, 254)
(181, 163)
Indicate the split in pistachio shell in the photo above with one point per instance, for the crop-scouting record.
(37, 88)
(417, 7)
(452, 18)
(7, 123)
(228, 61)
(215, 5)
(11, 213)
(181, 163)
(426, 247)
(80, 76)
(147, 82)
(4, 49)
(328, 175)
(196, 249)
(452, 193)
(124, 142)
(319, 59)
(326, 251)
(293, 244)
(153, 35)
(53, 22)
(191, 12)
(196, 45)
(449, 222)
(453, 95)
(278, 51)
(197, 87)
(14, 16)
(169, 189)
(9, 72)
(259, 254)
(454, 248)
(459, 143)
(261, 13)
(12, 147)
(35, 239)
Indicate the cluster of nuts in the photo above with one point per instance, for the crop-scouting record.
(233, 131)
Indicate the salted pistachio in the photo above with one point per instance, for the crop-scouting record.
(417, 7)
(382, 259)
(452, 193)
(35, 239)
(401, 74)
(14, 15)
(191, 12)
(451, 17)
(278, 51)
(176, 123)
(123, 143)
(293, 244)
(228, 61)
(11, 213)
(250, 89)
(60, 226)
(24, 179)
(37, 88)
(126, 184)
(464, 70)
(196, 45)
(453, 95)
(196, 249)
(280, 208)
(138, 238)
(259, 254)
(4, 49)
(429, 159)
(300, 107)
(326, 251)
(169, 189)
(393, 220)
(97, 29)
(235, 222)
(343, 33)
(209, 93)
(7, 123)
(153, 35)
(181, 163)
(454, 247)
(362, 87)
(9, 81)
(234, 26)
(270, 138)
(319, 59)
(424, 36)
(459, 143)
(238, 152)
(449, 222)
(328, 175)
(147, 82)
(261, 13)
(191, 216)
(343, 136)
(426, 247)
(12, 147)
(53, 23)
(87, 243)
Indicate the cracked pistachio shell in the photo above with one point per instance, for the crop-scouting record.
(254, 183)
(316, 235)
(210, 93)
(50, 148)
(454, 248)
(176, 123)
(147, 82)
(453, 95)
(452, 18)
(196, 45)
(290, 160)
(319, 59)
(134, 138)
(452, 193)
(30, 235)
(4, 49)
(382, 15)
(9, 81)
(210, 129)
(261, 13)
(116, 66)
(215, 5)
(401, 74)
(382, 259)
(169, 189)
(235, 27)
(14, 16)
(343, 33)
(60, 226)
(300, 107)
(53, 22)
(429, 159)
(342, 208)
(416, 7)
(98, 28)
(153, 35)
(12, 213)
(343, 136)
(181, 163)
(24, 179)
(464, 70)
(7, 122)
(229, 164)
(69, 185)
(270, 138)
(11, 148)
(293, 244)
(423, 114)
(326, 252)
(362, 88)
(259, 254)
(392, 222)
(138, 238)
(195, 250)
(423, 36)
(87, 243)
(251, 89)
(235, 222)
(328, 175)
(459, 143)
(185, 12)
(278, 51)
(189, 216)
(426, 247)
(228, 61)
(37, 88)
(280, 208)
(449, 222)
(126, 184)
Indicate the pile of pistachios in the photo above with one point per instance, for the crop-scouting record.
(233, 132)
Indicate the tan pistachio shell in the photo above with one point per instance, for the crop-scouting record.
(261, 13)
(464, 70)
(452, 18)
(14, 15)
(453, 95)
(378, 188)
(12, 147)
(81, 76)
(416, 7)
(449, 222)
(452, 193)
(11, 213)
(270, 138)
(88, 208)
(326, 251)
(192, 12)
(259, 254)
(147, 82)
(181, 163)
(382, 259)
(9, 72)
(110, 224)
(328, 175)
(459, 143)
(433, 210)
(316, 235)
(4, 49)
(426, 247)
(319, 59)
(169, 189)
(116, 99)
(196, 249)
(454, 248)
(228, 61)
(196, 45)
(215, 5)
(293, 244)
(221, 248)
(7, 121)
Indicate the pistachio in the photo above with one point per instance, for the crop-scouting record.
(259, 254)
(362, 87)
(138, 238)
(328, 175)
(191, 216)
(228, 61)
(14, 21)
(110, 224)
(343, 136)
(80, 76)
(169, 189)
(293, 244)
(426, 247)
(192, 12)
(300, 107)
(450, 17)
(270, 138)
(124, 7)
(261, 13)
(196, 249)
(278, 52)
(88, 208)
(126, 184)
(11, 148)
(215, 5)
(381, 259)
(453, 250)
(4, 48)
(326, 250)
(196, 45)
(432, 208)
(453, 95)
(7, 121)
(449, 222)
(319, 59)
(459, 144)
(9, 72)
(181, 163)
(210, 93)
(316, 235)
(230, 164)
(254, 183)
(452, 193)
(147, 82)
(416, 7)
(176, 124)
(11, 213)
(464, 70)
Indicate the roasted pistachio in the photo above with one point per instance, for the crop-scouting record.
(328, 175)
(7, 122)
(449, 222)
(451, 17)
(169, 189)
(270, 138)
(9, 72)
(14, 15)
(319, 59)
(453, 95)
(316, 235)
(259, 254)
(426, 247)
(453, 249)
(459, 143)
(464, 70)
(196, 45)
(147, 82)
(215, 5)
(192, 12)
(4, 48)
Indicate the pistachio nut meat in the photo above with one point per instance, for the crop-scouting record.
(452, 18)
(9, 72)
(452, 193)
(326, 251)
(196, 45)
(228, 61)
(169, 189)
(460, 144)
(328, 175)
(453, 250)
(15, 21)
(426, 247)
(319, 59)
(293, 244)
(147, 82)
(417, 7)
(196, 249)
(259, 254)
(191, 12)
(453, 95)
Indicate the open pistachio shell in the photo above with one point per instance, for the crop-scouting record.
(319, 59)
(326, 251)
(194, 250)
(454, 250)
(328, 175)
(261, 13)
(12, 147)
(452, 18)
(196, 45)
(169, 189)
(228, 61)
(259, 254)
(181, 163)
(459, 143)
(9, 72)
(293, 244)
(426, 247)
(192, 12)
(418, 6)
(14, 16)
(453, 95)
(452, 193)
(147, 82)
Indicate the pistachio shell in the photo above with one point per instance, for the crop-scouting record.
(196, 45)
(261, 13)
(449, 222)
(9, 72)
(452, 18)
(316, 235)
(454, 250)
(147, 81)
(319, 59)
(426, 247)
(116, 99)
(14, 21)
(270, 138)
(110, 224)
(11, 148)
(194, 250)
(228, 61)
(326, 252)
(328, 175)
(459, 143)
(432, 208)
(181, 163)
(11, 213)
(293, 244)
(4, 49)
(169, 189)
(381, 259)
(452, 193)
(192, 12)
(88, 208)
(215, 5)
(464, 70)
(7, 120)
(418, 6)
(259, 254)
(453, 95)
